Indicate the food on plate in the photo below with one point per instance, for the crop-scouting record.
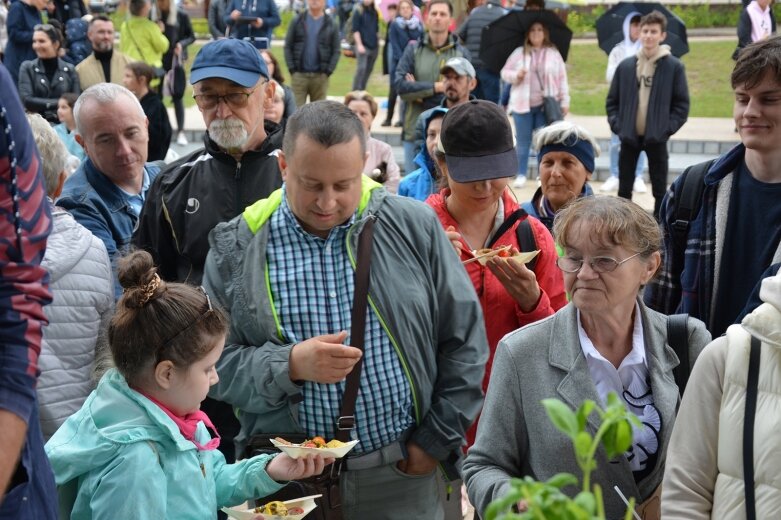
(314, 442)
(334, 444)
(273, 508)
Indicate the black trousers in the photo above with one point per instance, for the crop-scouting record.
(657, 169)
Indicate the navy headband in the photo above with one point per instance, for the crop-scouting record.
(581, 149)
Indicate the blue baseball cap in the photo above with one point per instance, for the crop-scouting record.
(235, 60)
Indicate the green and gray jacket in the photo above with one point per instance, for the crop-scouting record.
(418, 290)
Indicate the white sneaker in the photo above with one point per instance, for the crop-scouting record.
(181, 139)
(639, 185)
(611, 184)
(519, 182)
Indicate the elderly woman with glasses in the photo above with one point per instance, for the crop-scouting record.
(565, 158)
(43, 80)
(605, 340)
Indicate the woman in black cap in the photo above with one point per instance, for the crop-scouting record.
(477, 160)
(43, 80)
(565, 158)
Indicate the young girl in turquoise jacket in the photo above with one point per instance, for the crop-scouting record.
(140, 447)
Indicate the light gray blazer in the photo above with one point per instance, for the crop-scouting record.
(544, 360)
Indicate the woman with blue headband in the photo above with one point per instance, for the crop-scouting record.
(565, 158)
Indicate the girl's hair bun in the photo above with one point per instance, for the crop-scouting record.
(138, 277)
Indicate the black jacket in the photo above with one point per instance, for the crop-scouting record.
(159, 128)
(327, 44)
(38, 94)
(182, 33)
(668, 106)
(197, 192)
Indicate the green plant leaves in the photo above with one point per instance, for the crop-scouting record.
(562, 417)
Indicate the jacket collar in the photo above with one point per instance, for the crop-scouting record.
(450, 43)
(725, 164)
(111, 195)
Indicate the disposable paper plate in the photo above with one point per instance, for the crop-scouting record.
(524, 258)
(295, 451)
(305, 503)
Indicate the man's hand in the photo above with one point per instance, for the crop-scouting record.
(418, 462)
(519, 281)
(439, 87)
(360, 49)
(323, 359)
(283, 468)
(409, 77)
(258, 23)
(235, 14)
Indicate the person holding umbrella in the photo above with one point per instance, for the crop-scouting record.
(648, 102)
(534, 70)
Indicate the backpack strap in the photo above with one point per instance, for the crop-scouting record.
(686, 206)
(678, 339)
(752, 389)
(524, 233)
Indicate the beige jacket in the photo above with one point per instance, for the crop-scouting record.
(90, 70)
(704, 475)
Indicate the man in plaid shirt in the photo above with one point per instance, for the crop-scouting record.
(737, 232)
(284, 271)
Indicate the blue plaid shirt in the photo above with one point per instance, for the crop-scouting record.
(312, 285)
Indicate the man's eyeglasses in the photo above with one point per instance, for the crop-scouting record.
(598, 264)
(232, 99)
(209, 309)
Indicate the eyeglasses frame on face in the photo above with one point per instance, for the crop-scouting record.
(209, 310)
(224, 98)
(592, 261)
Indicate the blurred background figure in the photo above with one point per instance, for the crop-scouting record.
(144, 39)
(366, 29)
(3, 27)
(106, 64)
(404, 28)
(565, 158)
(82, 291)
(276, 74)
(380, 165)
(23, 16)
(275, 111)
(43, 80)
(216, 18)
(66, 129)
(534, 70)
(252, 18)
(179, 31)
(138, 76)
(757, 22)
(485, 12)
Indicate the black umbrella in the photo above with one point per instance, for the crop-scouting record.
(610, 26)
(501, 37)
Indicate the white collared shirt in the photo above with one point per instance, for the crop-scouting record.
(631, 382)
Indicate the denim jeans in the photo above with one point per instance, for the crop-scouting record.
(615, 147)
(525, 125)
(487, 85)
(364, 68)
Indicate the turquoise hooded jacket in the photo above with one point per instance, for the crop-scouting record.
(122, 457)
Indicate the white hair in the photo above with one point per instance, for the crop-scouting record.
(563, 132)
(103, 94)
(51, 149)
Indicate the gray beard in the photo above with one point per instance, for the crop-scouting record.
(229, 138)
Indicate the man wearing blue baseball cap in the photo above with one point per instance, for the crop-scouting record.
(236, 167)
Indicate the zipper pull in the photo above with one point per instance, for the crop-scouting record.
(238, 170)
(203, 470)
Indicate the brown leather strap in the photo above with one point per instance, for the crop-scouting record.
(346, 420)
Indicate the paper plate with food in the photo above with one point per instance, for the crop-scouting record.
(316, 445)
(507, 251)
(288, 510)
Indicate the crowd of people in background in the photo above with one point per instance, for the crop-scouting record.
(163, 315)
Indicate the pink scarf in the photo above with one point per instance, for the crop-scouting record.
(189, 424)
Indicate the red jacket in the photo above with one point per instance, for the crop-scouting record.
(501, 311)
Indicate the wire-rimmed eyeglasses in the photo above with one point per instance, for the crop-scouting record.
(598, 264)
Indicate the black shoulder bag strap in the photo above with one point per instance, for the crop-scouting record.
(524, 232)
(686, 207)
(678, 339)
(752, 387)
(346, 420)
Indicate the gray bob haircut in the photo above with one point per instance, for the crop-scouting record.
(103, 94)
(563, 132)
(51, 149)
(327, 123)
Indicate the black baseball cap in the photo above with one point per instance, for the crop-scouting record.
(478, 142)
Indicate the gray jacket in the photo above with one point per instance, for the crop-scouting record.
(545, 360)
(418, 289)
(471, 31)
(82, 304)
